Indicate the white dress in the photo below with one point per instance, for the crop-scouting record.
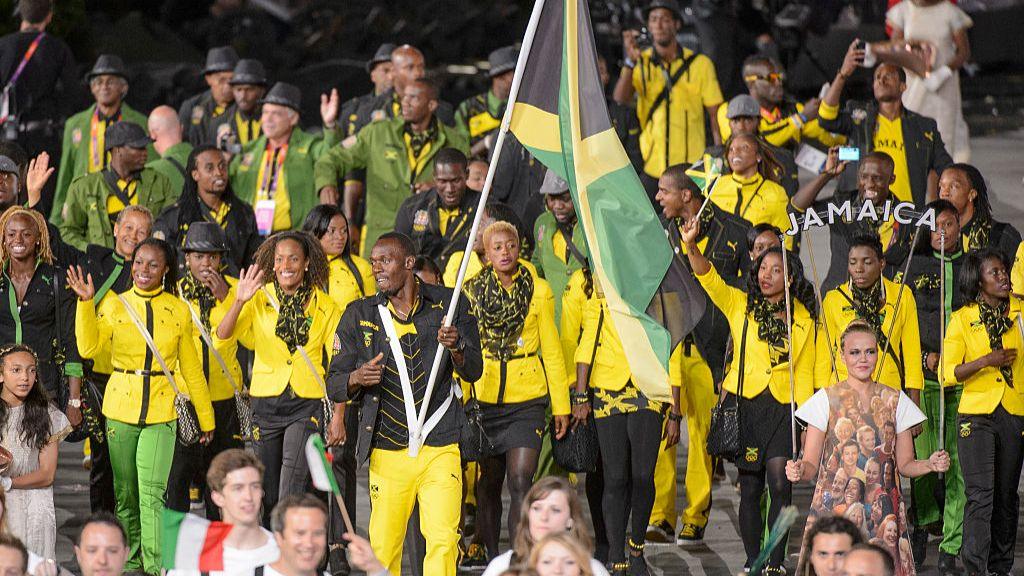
(936, 24)
(30, 513)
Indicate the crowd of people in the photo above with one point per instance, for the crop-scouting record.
(215, 285)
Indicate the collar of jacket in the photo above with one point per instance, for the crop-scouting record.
(428, 295)
(148, 294)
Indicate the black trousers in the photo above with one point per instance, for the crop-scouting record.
(192, 462)
(281, 446)
(101, 476)
(344, 466)
(991, 451)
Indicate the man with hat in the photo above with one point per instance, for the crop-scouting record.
(241, 123)
(380, 70)
(209, 294)
(166, 130)
(674, 87)
(95, 200)
(274, 173)
(560, 247)
(407, 66)
(480, 116)
(84, 150)
(398, 156)
(198, 111)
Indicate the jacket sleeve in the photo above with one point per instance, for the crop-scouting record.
(823, 376)
(834, 119)
(803, 372)
(333, 164)
(910, 345)
(574, 300)
(243, 326)
(955, 352)
(345, 362)
(74, 223)
(90, 332)
(940, 156)
(731, 301)
(67, 298)
(403, 219)
(551, 352)
(192, 379)
(473, 360)
(588, 335)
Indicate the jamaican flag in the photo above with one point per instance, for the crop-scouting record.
(560, 115)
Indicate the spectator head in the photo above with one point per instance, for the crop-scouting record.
(299, 523)
(550, 507)
(663, 21)
(761, 237)
(889, 83)
(875, 175)
(676, 191)
(102, 546)
(392, 259)
(865, 261)
(419, 101)
(327, 223)
(35, 11)
(826, 544)
(477, 175)
(559, 554)
(13, 556)
(235, 479)
(849, 453)
(985, 275)
(427, 270)
(407, 64)
(744, 115)
(164, 128)
(450, 176)
(867, 439)
(964, 186)
(134, 224)
(868, 560)
(764, 78)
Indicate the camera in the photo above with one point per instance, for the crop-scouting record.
(228, 142)
(643, 39)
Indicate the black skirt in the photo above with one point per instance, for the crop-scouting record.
(515, 425)
(765, 431)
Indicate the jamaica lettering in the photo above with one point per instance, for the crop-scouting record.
(903, 212)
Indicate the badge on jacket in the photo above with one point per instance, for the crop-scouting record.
(377, 115)
(197, 114)
(420, 220)
(76, 136)
(391, 154)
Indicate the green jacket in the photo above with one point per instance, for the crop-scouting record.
(74, 157)
(85, 219)
(163, 165)
(303, 151)
(550, 266)
(380, 150)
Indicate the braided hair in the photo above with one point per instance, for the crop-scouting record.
(43, 251)
(319, 270)
(189, 208)
(799, 288)
(981, 202)
(35, 423)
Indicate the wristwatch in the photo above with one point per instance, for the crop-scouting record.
(74, 403)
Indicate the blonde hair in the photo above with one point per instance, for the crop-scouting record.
(43, 251)
(498, 227)
(565, 540)
(857, 326)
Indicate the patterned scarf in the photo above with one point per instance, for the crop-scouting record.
(417, 140)
(770, 328)
(996, 324)
(867, 305)
(193, 289)
(501, 313)
(977, 232)
(292, 323)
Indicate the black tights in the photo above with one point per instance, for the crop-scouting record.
(595, 491)
(519, 465)
(780, 491)
(629, 450)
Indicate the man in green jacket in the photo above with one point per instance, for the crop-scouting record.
(83, 151)
(95, 200)
(165, 129)
(561, 248)
(398, 156)
(274, 173)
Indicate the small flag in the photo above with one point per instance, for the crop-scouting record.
(704, 172)
(192, 543)
(320, 465)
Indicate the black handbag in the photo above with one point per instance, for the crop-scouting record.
(578, 450)
(724, 432)
(474, 444)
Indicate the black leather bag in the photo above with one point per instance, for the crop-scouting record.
(474, 443)
(724, 433)
(578, 450)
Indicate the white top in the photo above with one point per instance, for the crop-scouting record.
(239, 562)
(268, 571)
(501, 563)
(815, 412)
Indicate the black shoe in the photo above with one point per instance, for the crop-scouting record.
(638, 566)
(947, 564)
(475, 558)
(690, 534)
(338, 562)
(919, 546)
(469, 526)
(660, 533)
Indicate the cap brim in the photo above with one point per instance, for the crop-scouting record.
(372, 63)
(94, 73)
(240, 80)
(279, 102)
(204, 248)
(501, 70)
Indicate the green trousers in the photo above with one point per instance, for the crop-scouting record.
(141, 458)
(926, 506)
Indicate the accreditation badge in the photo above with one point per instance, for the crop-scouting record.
(197, 114)
(76, 136)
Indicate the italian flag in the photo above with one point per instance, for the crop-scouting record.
(320, 465)
(192, 543)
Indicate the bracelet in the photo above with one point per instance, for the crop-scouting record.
(579, 397)
(628, 63)
(675, 417)
(924, 360)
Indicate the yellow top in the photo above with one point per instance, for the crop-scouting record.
(574, 301)
(115, 205)
(759, 370)
(144, 399)
(342, 286)
(272, 183)
(1017, 274)
(274, 367)
(444, 216)
(526, 377)
(220, 386)
(966, 341)
(784, 131)
(754, 199)
(889, 139)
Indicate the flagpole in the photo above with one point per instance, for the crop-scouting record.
(415, 438)
(899, 297)
(942, 340)
(821, 309)
(792, 350)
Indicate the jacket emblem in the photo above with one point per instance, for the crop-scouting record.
(420, 220)
(76, 136)
(367, 339)
(391, 154)
(197, 114)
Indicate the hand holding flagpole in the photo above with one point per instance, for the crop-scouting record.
(942, 341)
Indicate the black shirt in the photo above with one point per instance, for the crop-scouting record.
(418, 219)
(239, 226)
(41, 91)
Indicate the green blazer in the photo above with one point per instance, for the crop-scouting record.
(74, 157)
(380, 150)
(179, 152)
(84, 216)
(550, 266)
(303, 151)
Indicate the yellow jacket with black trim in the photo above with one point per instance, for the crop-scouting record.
(342, 285)
(574, 302)
(787, 129)
(902, 365)
(146, 398)
(220, 385)
(966, 341)
(759, 370)
(274, 367)
(538, 368)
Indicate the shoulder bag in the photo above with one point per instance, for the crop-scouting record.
(724, 433)
(578, 450)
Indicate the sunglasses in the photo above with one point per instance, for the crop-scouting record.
(774, 78)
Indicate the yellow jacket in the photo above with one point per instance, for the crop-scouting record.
(342, 285)
(220, 386)
(784, 131)
(574, 301)
(1017, 273)
(754, 199)
(758, 372)
(274, 367)
(148, 399)
(527, 378)
(904, 342)
(966, 341)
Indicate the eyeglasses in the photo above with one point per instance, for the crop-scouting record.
(773, 78)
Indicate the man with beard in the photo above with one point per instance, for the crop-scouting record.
(560, 248)
(199, 111)
(95, 200)
(240, 124)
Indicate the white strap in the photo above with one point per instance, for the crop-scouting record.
(302, 349)
(411, 421)
(152, 345)
(209, 344)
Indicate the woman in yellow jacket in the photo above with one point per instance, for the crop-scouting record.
(750, 190)
(284, 322)
(759, 375)
(982, 351)
(523, 371)
(350, 276)
(139, 401)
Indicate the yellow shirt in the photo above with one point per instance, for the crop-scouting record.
(444, 216)
(904, 342)
(272, 184)
(221, 387)
(526, 377)
(115, 205)
(784, 131)
(1017, 274)
(675, 131)
(574, 301)
(248, 130)
(754, 199)
(889, 139)
(759, 372)
(274, 367)
(144, 399)
(342, 286)
(966, 341)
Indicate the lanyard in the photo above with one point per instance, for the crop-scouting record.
(416, 162)
(12, 301)
(739, 199)
(272, 168)
(24, 59)
(98, 157)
